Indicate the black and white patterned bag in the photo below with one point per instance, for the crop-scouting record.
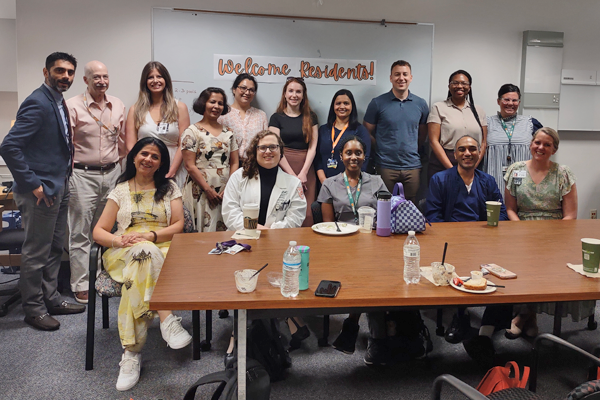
(405, 216)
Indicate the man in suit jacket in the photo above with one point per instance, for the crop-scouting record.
(38, 150)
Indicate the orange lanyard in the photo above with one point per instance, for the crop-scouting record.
(336, 141)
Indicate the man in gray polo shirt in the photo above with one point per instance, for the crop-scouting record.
(397, 122)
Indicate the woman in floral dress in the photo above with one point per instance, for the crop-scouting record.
(210, 155)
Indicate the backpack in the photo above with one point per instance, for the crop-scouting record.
(498, 378)
(258, 384)
(266, 346)
(409, 337)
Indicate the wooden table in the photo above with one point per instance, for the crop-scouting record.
(371, 268)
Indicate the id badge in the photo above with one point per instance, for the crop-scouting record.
(332, 163)
(163, 128)
(519, 174)
(517, 181)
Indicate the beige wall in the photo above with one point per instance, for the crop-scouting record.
(482, 36)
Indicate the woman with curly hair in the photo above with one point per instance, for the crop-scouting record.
(279, 195)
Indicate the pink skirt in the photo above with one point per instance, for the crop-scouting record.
(296, 160)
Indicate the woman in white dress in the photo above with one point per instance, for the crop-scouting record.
(157, 113)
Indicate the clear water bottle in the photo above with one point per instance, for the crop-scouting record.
(291, 271)
(412, 257)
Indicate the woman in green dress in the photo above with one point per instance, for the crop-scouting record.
(148, 210)
(540, 189)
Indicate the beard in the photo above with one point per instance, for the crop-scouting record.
(53, 83)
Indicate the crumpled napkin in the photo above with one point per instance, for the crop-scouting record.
(427, 273)
(579, 268)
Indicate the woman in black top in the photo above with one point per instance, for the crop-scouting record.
(297, 125)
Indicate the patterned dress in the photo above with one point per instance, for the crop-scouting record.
(138, 266)
(541, 201)
(544, 201)
(212, 159)
(245, 128)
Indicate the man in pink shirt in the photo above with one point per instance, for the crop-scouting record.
(98, 122)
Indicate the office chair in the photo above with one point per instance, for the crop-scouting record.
(586, 391)
(11, 240)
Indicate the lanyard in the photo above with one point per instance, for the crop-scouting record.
(100, 123)
(509, 134)
(353, 201)
(336, 141)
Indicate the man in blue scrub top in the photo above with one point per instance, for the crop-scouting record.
(459, 194)
(397, 123)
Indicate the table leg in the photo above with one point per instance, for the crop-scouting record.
(557, 318)
(241, 352)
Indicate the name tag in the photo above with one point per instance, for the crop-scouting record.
(163, 128)
(520, 174)
(332, 163)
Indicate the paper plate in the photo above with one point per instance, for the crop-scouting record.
(328, 228)
(488, 289)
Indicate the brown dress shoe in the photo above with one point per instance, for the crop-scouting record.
(82, 297)
(66, 308)
(43, 322)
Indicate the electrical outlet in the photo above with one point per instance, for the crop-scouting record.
(594, 214)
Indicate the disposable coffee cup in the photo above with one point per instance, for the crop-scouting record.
(366, 215)
(493, 212)
(250, 219)
(590, 249)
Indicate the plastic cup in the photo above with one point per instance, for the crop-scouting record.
(493, 212)
(244, 281)
(590, 251)
(442, 274)
(366, 215)
(250, 219)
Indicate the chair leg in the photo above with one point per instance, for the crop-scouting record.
(15, 295)
(91, 309)
(592, 324)
(205, 344)
(196, 334)
(104, 312)
(439, 330)
(324, 341)
(557, 318)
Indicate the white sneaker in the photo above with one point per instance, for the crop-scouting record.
(129, 375)
(174, 334)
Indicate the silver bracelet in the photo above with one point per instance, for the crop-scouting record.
(112, 243)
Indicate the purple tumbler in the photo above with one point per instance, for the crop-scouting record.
(384, 210)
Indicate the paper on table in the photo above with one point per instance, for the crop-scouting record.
(241, 234)
(579, 268)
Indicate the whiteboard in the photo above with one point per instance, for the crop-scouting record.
(579, 105)
(185, 43)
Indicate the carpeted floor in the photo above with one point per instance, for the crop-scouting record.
(50, 365)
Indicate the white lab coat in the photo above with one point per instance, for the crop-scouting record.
(287, 204)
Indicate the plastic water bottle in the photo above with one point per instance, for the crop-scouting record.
(412, 257)
(291, 271)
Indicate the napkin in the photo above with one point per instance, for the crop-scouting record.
(427, 273)
(241, 234)
(579, 268)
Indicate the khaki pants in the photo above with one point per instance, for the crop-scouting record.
(89, 191)
(410, 179)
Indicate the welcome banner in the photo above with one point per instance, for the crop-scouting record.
(313, 70)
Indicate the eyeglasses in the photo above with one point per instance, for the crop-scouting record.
(459, 83)
(299, 79)
(510, 101)
(272, 148)
(244, 89)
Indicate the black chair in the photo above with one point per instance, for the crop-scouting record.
(11, 240)
(586, 391)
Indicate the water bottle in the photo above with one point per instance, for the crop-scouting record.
(412, 256)
(384, 209)
(291, 271)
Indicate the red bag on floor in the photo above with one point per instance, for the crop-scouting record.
(498, 378)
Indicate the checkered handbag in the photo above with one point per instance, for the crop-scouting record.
(405, 215)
